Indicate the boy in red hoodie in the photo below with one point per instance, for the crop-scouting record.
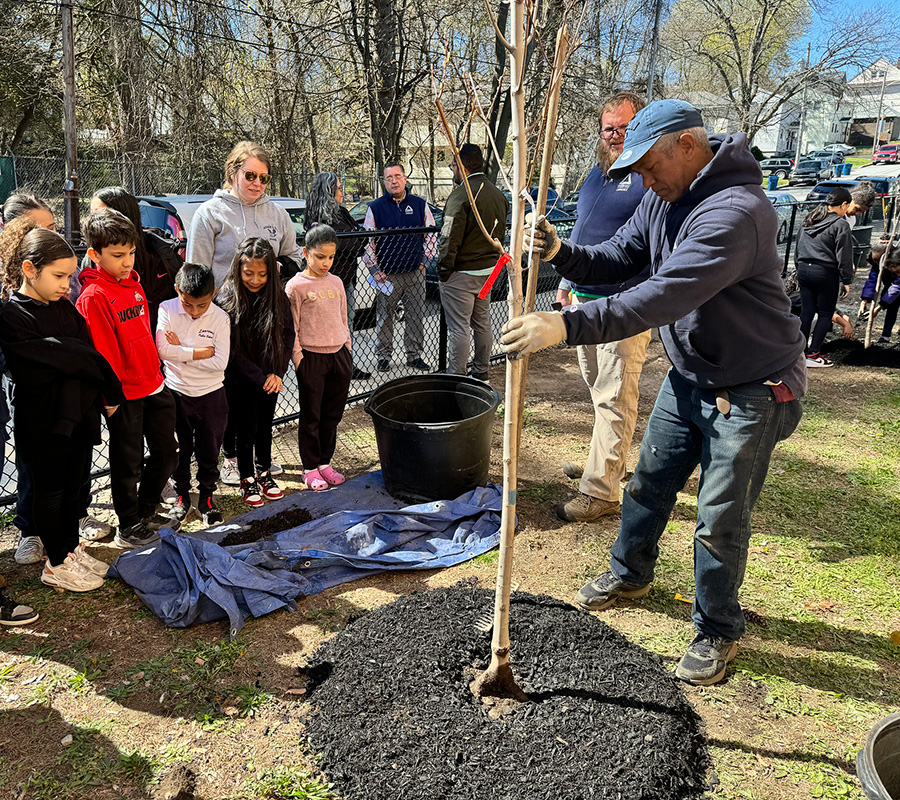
(115, 308)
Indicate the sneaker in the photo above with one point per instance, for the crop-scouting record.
(418, 363)
(156, 521)
(573, 470)
(604, 590)
(211, 514)
(585, 508)
(91, 529)
(169, 495)
(384, 364)
(480, 376)
(30, 550)
(270, 489)
(705, 660)
(228, 472)
(884, 340)
(70, 575)
(91, 564)
(360, 375)
(815, 360)
(13, 613)
(181, 508)
(250, 491)
(137, 535)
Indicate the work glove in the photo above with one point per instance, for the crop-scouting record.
(546, 243)
(532, 332)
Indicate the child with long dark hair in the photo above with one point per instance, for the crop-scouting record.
(262, 339)
(60, 380)
(824, 264)
(321, 356)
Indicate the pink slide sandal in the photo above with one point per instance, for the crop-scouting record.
(314, 480)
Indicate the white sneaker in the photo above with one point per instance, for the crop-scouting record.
(813, 361)
(30, 550)
(91, 529)
(70, 575)
(91, 564)
(228, 472)
(169, 495)
(276, 469)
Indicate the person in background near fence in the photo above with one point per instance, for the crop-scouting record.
(113, 304)
(324, 206)
(156, 258)
(713, 288)
(863, 198)
(239, 210)
(321, 356)
(193, 338)
(262, 339)
(889, 302)
(466, 258)
(824, 264)
(60, 382)
(611, 370)
(30, 549)
(397, 266)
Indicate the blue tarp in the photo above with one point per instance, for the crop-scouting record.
(186, 579)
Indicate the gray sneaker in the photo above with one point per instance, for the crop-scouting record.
(705, 661)
(29, 551)
(604, 590)
(91, 529)
(138, 535)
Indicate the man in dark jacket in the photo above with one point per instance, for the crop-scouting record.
(707, 233)
(465, 260)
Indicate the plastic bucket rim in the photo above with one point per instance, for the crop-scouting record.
(865, 759)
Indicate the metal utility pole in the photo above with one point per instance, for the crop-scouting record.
(654, 48)
(802, 111)
(877, 143)
(72, 224)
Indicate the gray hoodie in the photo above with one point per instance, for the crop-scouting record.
(223, 222)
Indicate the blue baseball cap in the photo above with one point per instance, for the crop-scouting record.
(651, 122)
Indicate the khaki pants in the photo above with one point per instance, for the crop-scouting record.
(612, 372)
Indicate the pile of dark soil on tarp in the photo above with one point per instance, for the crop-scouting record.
(261, 528)
(853, 353)
(393, 716)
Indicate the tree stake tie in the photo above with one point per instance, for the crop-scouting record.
(495, 273)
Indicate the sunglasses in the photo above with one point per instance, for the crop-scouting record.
(250, 176)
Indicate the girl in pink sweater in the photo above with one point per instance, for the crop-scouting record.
(321, 357)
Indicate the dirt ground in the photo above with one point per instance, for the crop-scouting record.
(98, 699)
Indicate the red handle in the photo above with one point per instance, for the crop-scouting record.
(492, 278)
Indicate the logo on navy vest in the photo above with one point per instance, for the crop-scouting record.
(131, 313)
(409, 211)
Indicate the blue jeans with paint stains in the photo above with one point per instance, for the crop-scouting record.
(733, 451)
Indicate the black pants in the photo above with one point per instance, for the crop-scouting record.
(56, 465)
(200, 425)
(229, 442)
(251, 411)
(152, 419)
(819, 287)
(323, 383)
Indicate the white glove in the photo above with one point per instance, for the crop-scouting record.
(546, 243)
(532, 332)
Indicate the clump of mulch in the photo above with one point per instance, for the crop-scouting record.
(853, 353)
(393, 715)
(261, 528)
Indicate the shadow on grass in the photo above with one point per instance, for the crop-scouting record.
(785, 755)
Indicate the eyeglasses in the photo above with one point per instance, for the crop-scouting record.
(250, 176)
(608, 133)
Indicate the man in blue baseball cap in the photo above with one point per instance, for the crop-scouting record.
(705, 235)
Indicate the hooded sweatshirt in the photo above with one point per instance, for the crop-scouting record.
(827, 243)
(223, 222)
(118, 321)
(714, 284)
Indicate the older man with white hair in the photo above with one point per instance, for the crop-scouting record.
(707, 233)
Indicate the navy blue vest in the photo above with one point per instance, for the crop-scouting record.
(399, 253)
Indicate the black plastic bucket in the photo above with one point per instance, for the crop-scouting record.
(433, 434)
(878, 763)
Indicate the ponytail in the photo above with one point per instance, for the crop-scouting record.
(837, 197)
(24, 240)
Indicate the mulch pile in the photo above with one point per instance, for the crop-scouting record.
(393, 716)
(261, 528)
(853, 353)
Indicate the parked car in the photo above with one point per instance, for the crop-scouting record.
(827, 155)
(790, 155)
(783, 202)
(886, 154)
(809, 171)
(776, 166)
(840, 147)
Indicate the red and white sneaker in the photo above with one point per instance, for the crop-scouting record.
(270, 489)
(815, 360)
(250, 491)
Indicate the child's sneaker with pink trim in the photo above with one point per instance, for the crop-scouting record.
(331, 477)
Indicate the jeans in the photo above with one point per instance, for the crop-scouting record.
(686, 429)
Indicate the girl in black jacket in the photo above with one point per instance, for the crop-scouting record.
(61, 384)
(824, 264)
